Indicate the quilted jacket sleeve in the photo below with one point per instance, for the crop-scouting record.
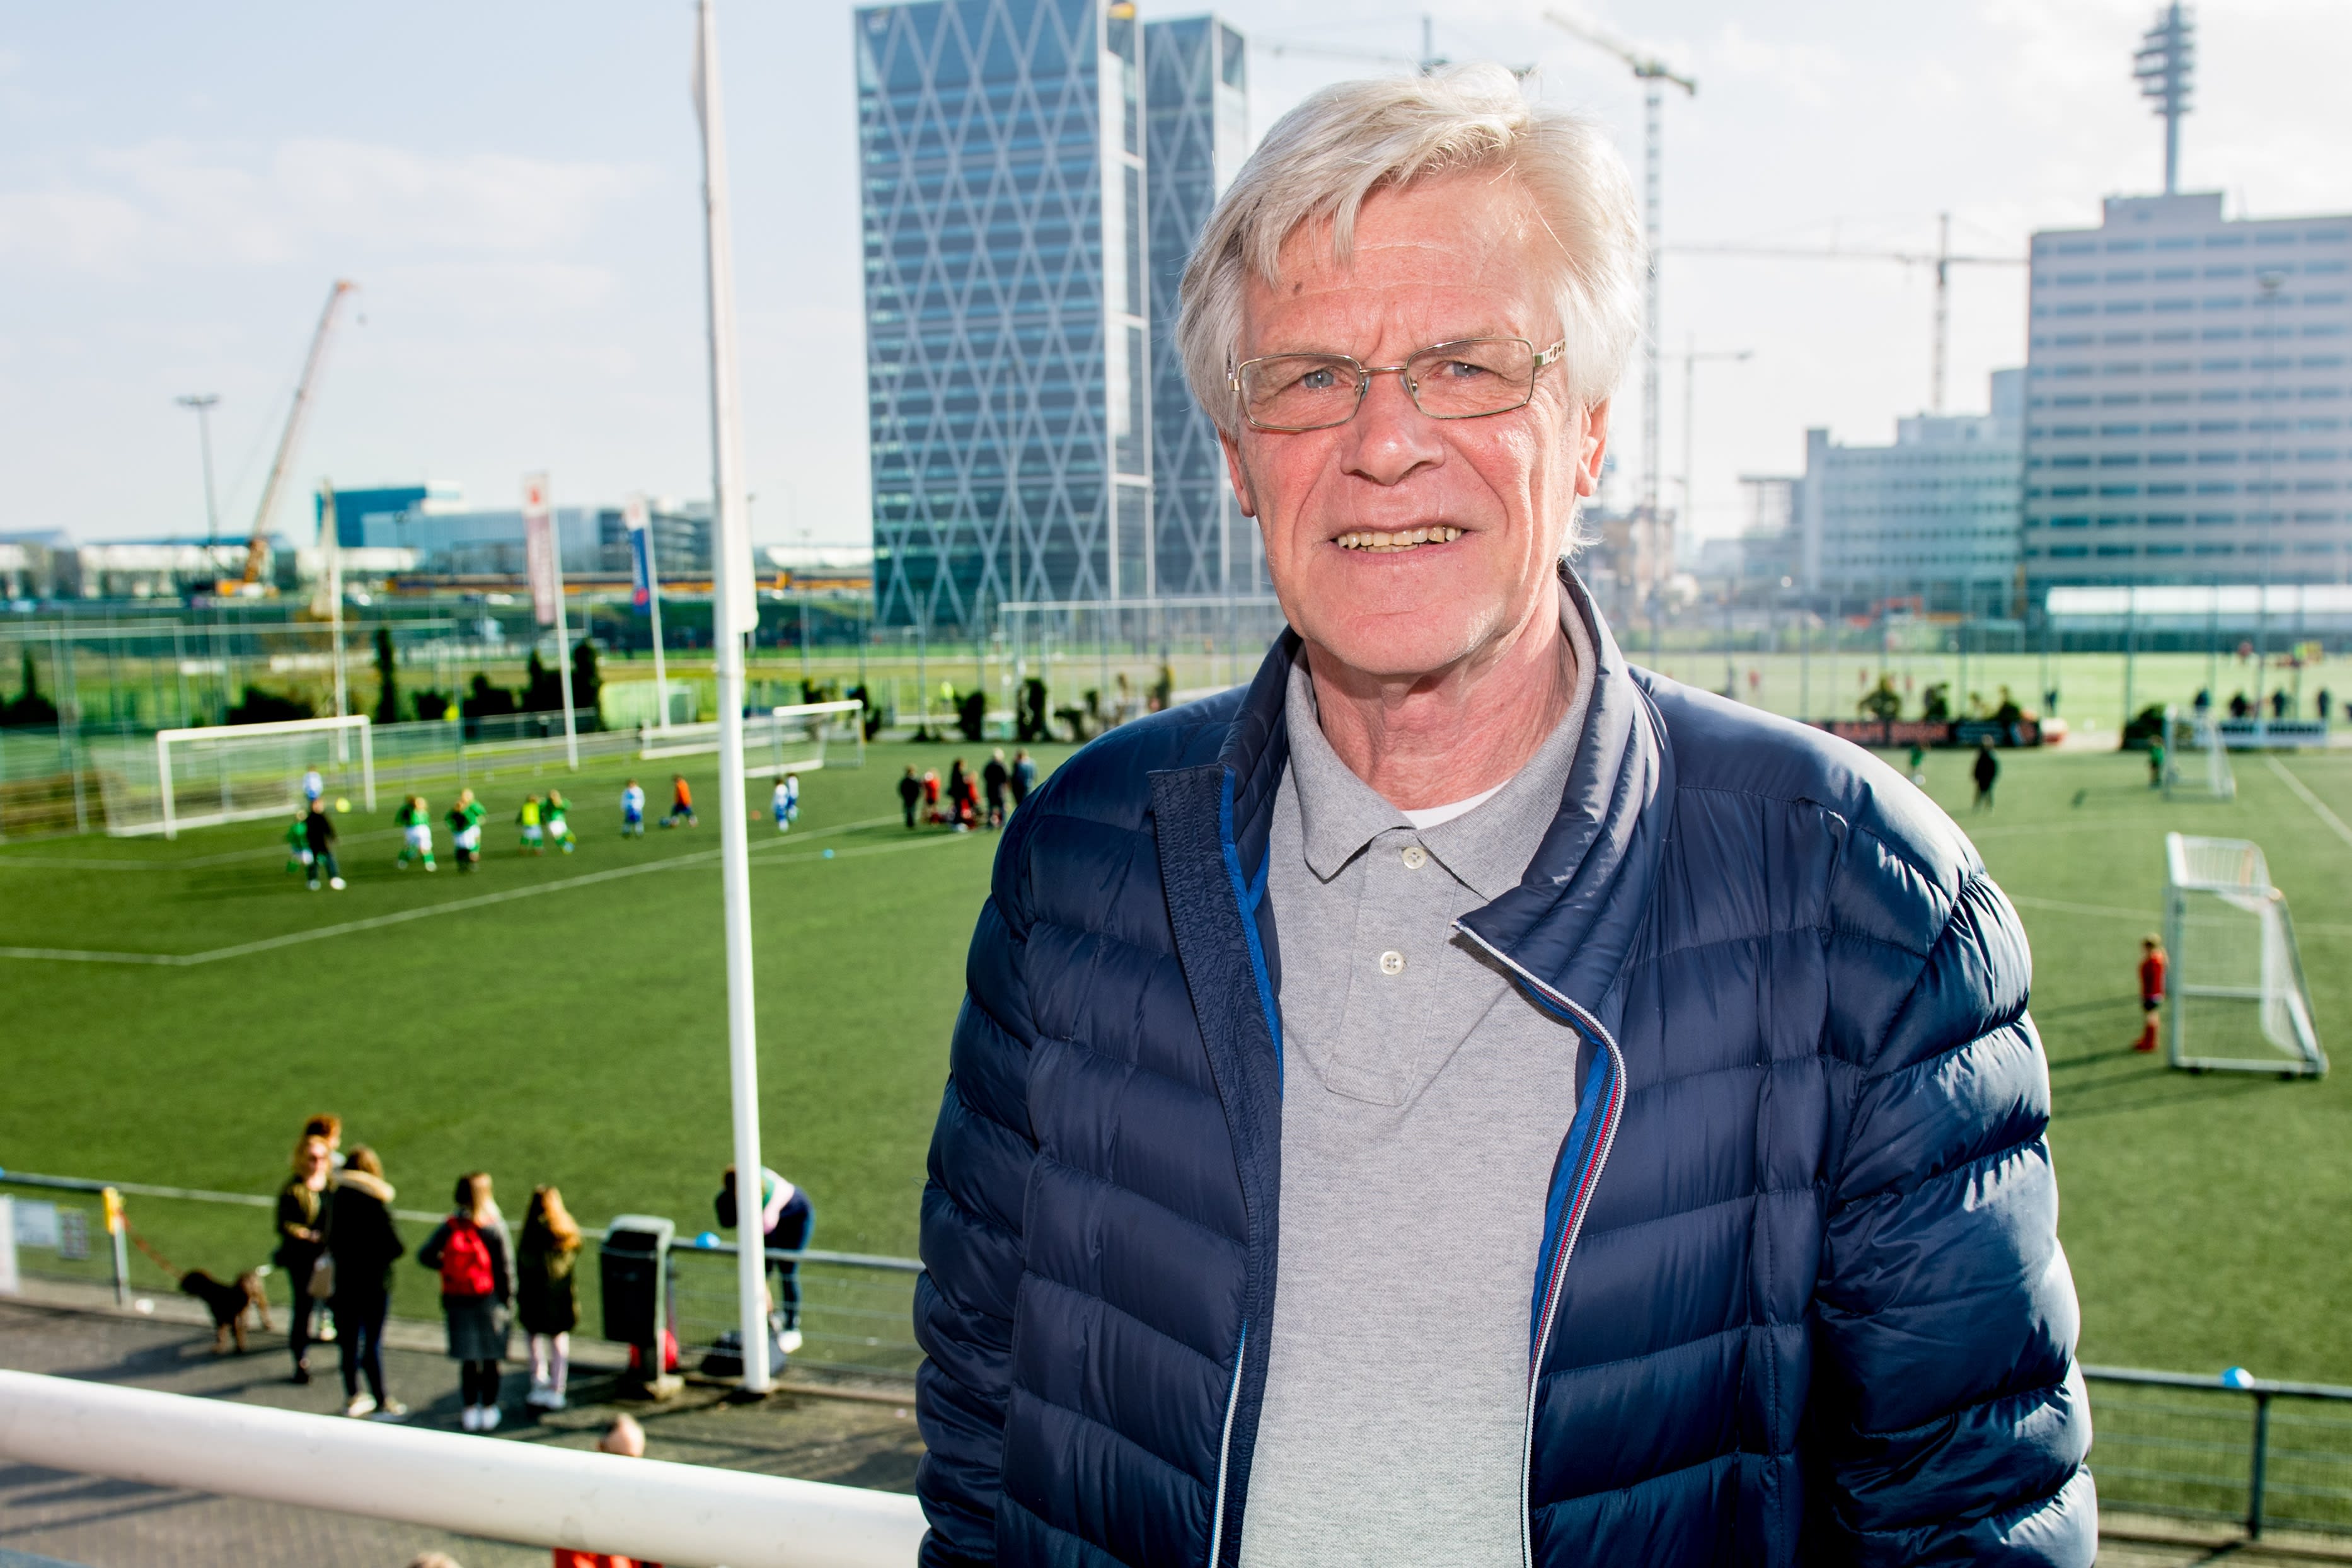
(1949, 1420)
(982, 1151)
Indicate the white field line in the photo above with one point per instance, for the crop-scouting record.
(456, 906)
(56, 863)
(2318, 806)
(2111, 912)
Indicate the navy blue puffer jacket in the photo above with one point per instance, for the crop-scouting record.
(1801, 1233)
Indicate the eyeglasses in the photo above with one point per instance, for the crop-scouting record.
(1467, 379)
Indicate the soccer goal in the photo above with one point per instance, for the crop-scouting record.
(237, 772)
(2196, 763)
(2236, 998)
(803, 738)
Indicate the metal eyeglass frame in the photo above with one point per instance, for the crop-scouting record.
(1543, 358)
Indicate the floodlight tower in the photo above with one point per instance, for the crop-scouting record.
(2166, 55)
(1654, 76)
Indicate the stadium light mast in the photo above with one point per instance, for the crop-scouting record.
(2163, 64)
(1654, 76)
(735, 615)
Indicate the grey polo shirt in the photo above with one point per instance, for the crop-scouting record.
(1424, 1099)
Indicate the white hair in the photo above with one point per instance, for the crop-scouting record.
(1323, 158)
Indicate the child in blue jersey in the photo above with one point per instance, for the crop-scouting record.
(633, 810)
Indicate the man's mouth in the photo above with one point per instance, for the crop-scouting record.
(1403, 539)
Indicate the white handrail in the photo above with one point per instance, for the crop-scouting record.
(526, 1492)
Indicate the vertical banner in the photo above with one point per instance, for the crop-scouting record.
(640, 565)
(539, 548)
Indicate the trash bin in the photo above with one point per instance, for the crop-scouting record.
(634, 1270)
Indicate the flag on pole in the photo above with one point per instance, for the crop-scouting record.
(641, 567)
(539, 548)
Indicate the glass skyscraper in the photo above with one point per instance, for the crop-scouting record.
(1196, 116)
(1009, 341)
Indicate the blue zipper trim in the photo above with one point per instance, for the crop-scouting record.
(1249, 892)
(1579, 1148)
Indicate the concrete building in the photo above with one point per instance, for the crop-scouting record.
(1933, 518)
(1196, 131)
(451, 539)
(2188, 396)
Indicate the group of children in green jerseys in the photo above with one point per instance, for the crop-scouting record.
(543, 819)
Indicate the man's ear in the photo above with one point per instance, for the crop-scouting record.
(1237, 474)
(1595, 447)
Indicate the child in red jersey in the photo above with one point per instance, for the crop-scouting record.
(2152, 965)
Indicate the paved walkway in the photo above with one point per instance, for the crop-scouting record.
(868, 1440)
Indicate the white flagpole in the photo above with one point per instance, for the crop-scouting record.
(734, 602)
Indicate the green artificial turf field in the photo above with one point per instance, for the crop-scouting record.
(576, 1033)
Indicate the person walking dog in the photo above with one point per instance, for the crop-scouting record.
(1462, 1098)
(475, 1256)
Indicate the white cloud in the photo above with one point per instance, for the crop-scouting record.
(1806, 72)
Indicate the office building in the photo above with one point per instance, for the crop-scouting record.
(1196, 132)
(1931, 520)
(450, 539)
(2185, 409)
(1010, 274)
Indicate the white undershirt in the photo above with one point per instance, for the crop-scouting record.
(1431, 816)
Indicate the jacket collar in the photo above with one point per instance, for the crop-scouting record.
(375, 1187)
(1583, 897)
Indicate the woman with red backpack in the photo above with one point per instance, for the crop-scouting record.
(475, 1256)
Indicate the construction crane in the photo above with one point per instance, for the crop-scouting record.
(1941, 258)
(257, 549)
(1654, 77)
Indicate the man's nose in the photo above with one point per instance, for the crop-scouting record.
(1389, 437)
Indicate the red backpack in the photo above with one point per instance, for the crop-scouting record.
(465, 1261)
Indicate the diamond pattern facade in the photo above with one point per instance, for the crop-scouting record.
(1009, 283)
(1197, 127)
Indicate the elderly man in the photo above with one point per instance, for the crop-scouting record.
(1462, 1100)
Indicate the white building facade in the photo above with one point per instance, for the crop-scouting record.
(2187, 398)
(1931, 519)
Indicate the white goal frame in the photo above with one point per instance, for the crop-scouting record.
(224, 734)
(767, 732)
(2220, 782)
(2203, 877)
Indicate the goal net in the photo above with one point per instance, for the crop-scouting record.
(2236, 997)
(801, 739)
(235, 773)
(2196, 763)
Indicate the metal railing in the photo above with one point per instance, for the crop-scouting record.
(532, 1493)
(2253, 1451)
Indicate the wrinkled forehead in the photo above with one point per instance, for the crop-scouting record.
(1466, 252)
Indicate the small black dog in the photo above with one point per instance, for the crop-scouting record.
(228, 1303)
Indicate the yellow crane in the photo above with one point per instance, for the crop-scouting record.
(257, 549)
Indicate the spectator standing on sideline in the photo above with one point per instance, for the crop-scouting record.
(624, 1439)
(2153, 963)
(318, 835)
(475, 1256)
(328, 1126)
(2324, 708)
(301, 1237)
(1756, 1259)
(361, 1248)
(786, 1217)
(1987, 773)
(1024, 777)
(996, 775)
(681, 803)
(547, 1297)
(911, 794)
(633, 810)
(955, 777)
(932, 796)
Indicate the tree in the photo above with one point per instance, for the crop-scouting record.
(972, 714)
(587, 680)
(542, 690)
(30, 706)
(1029, 718)
(1936, 704)
(261, 707)
(387, 679)
(488, 700)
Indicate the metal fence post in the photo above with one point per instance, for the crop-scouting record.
(2262, 1464)
(117, 1226)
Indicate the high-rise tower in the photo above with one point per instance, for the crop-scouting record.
(1001, 147)
(1196, 97)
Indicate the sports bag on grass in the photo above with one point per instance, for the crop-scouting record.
(465, 1261)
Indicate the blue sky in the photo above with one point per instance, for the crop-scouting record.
(515, 188)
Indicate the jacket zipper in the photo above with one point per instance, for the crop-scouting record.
(1604, 1141)
(1225, 1447)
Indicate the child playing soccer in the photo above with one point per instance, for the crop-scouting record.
(415, 820)
(681, 803)
(553, 813)
(787, 802)
(633, 810)
(298, 843)
(534, 838)
(2152, 965)
(466, 815)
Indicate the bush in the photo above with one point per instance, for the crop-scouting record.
(29, 707)
(261, 707)
(587, 680)
(1936, 703)
(1030, 721)
(1883, 701)
(972, 715)
(488, 701)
